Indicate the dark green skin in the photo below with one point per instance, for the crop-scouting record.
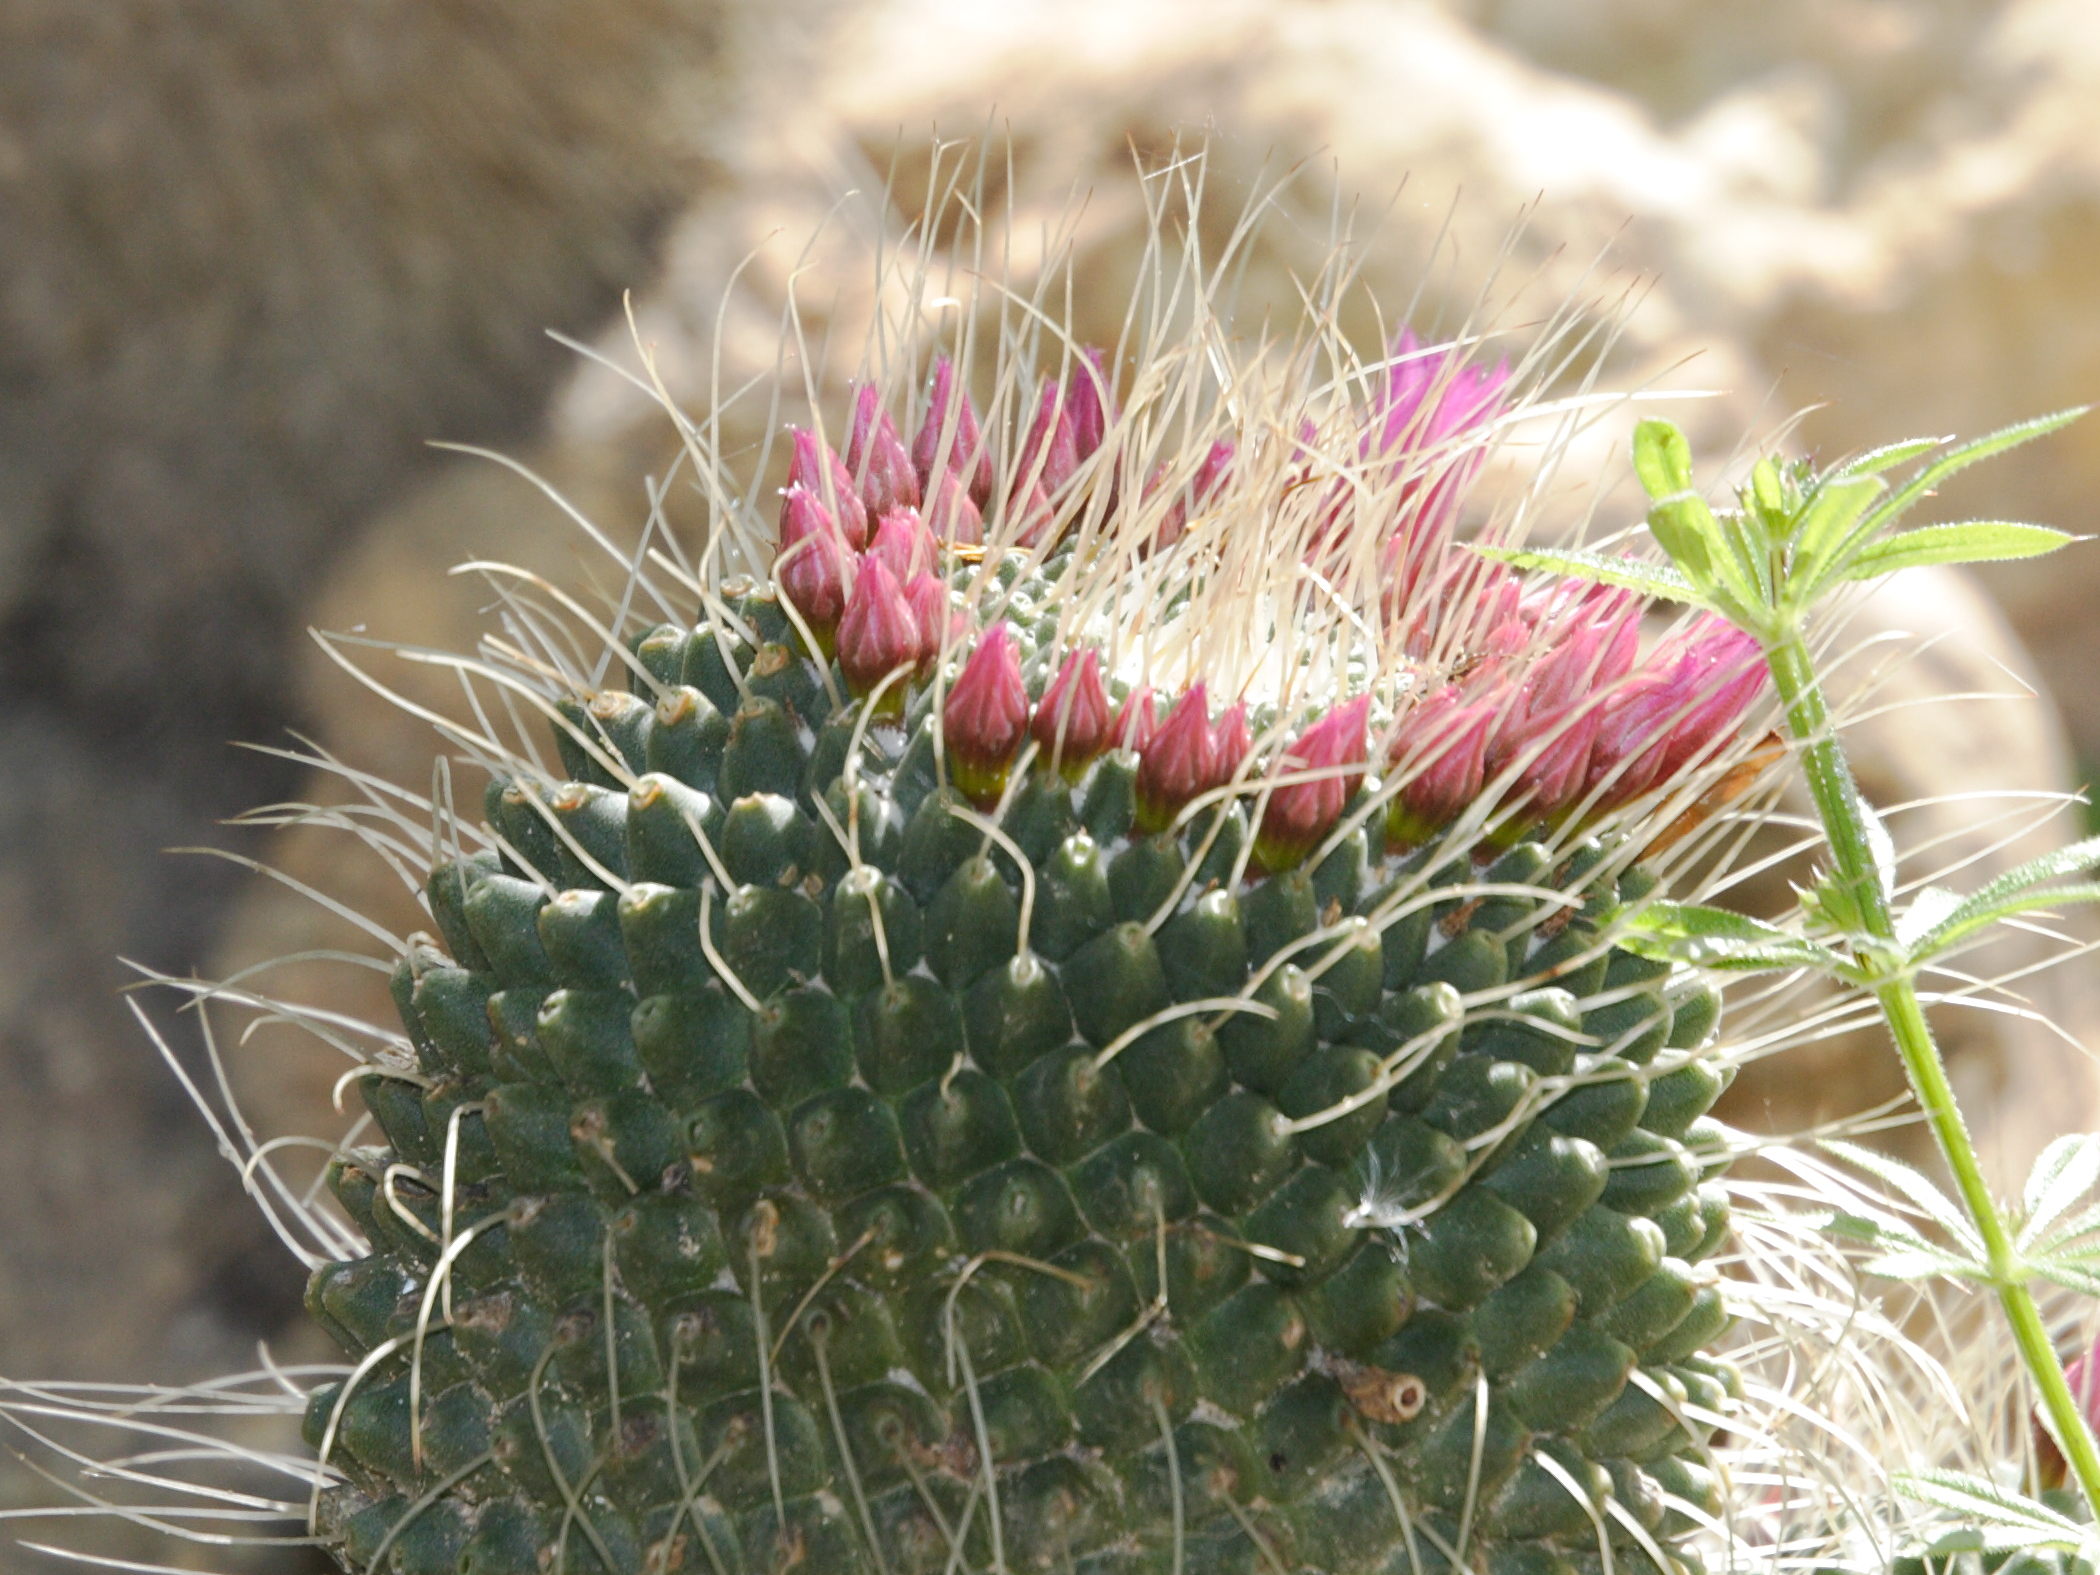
(806, 1210)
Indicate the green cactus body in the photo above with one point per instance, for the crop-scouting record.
(892, 1093)
(794, 1173)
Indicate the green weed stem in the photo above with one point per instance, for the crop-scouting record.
(1860, 876)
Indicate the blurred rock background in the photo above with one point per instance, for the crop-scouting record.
(250, 257)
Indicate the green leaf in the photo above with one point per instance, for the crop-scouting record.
(1883, 849)
(1971, 541)
(1928, 908)
(1826, 524)
(1768, 499)
(1991, 443)
(1678, 517)
(1922, 1192)
(1833, 903)
(1656, 580)
(1716, 938)
(2066, 1171)
(1960, 929)
(1686, 529)
(1662, 458)
(1749, 551)
(2072, 859)
(2063, 1242)
(2071, 1276)
(1904, 1255)
(1976, 1498)
(2012, 894)
(2065, 1246)
(1930, 1263)
(1889, 456)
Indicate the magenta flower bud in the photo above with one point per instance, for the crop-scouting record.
(1299, 814)
(1633, 729)
(1087, 402)
(986, 717)
(949, 440)
(903, 542)
(1431, 397)
(1030, 513)
(1178, 762)
(1210, 475)
(1135, 722)
(1051, 450)
(951, 515)
(1551, 752)
(1677, 708)
(940, 622)
(1491, 596)
(1422, 427)
(1072, 722)
(877, 458)
(1721, 671)
(879, 632)
(1440, 756)
(1071, 418)
(1592, 645)
(1230, 745)
(814, 567)
(813, 467)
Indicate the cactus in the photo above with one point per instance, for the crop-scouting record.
(1056, 1006)
(922, 1088)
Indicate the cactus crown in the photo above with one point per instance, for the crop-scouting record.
(1064, 1017)
(1053, 1006)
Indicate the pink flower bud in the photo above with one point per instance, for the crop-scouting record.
(814, 566)
(1440, 756)
(1632, 731)
(903, 542)
(1087, 402)
(1135, 722)
(1550, 750)
(1230, 746)
(1593, 639)
(879, 632)
(1178, 762)
(1209, 476)
(1457, 605)
(1678, 707)
(1423, 427)
(949, 440)
(1072, 721)
(1071, 419)
(1721, 671)
(1030, 512)
(1431, 397)
(986, 716)
(941, 623)
(877, 458)
(1299, 814)
(951, 515)
(1050, 452)
(813, 467)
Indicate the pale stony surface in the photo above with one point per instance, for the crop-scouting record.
(1888, 209)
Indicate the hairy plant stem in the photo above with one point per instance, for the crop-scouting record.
(1859, 874)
